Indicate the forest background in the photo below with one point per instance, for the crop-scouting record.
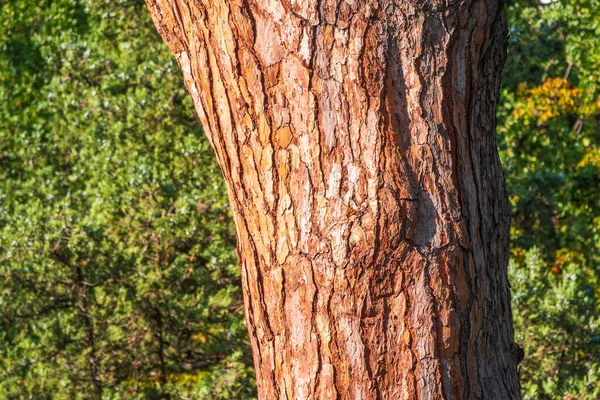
(118, 274)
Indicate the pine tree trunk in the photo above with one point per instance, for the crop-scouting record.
(357, 140)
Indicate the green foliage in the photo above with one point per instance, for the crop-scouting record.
(549, 125)
(117, 267)
(558, 323)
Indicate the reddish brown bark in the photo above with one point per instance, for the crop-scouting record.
(357, 139)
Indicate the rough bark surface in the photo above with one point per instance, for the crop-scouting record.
(357, 139)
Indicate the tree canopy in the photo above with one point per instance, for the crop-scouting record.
(117, 268)
(549, 137)
(118, 276)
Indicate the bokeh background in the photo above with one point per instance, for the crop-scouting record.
(118, 274)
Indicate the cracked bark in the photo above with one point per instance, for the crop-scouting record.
(357, 139)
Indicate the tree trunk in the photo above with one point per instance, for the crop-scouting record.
(357, 139)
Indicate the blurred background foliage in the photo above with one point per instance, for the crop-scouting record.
(549, 139)
(118, 276)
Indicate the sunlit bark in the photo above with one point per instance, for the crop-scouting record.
(357, 140)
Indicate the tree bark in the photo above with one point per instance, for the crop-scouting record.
(357, 140)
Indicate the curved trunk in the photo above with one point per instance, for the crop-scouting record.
(357, 139)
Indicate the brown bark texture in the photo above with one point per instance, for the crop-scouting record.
(357, 140)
